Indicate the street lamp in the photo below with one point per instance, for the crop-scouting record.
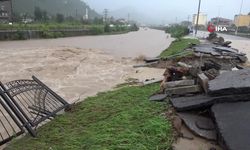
(198, 15)
(238, 21)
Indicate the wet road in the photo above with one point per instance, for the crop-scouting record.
(144, 42)
(241, 43)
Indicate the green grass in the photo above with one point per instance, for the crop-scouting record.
(178, 47)
(48, 26)
(123, 119)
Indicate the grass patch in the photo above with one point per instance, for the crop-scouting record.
(122, 119)
(178, 47)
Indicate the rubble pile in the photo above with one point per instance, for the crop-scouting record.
(212, 94)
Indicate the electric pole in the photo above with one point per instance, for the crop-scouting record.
(105, 15)
(198, 15)
(238, 20)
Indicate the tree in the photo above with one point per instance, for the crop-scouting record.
(98, 20)
(44, 15)
(107, 28)
(59, 18)
(38, 14)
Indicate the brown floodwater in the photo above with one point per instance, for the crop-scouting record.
(146, 42)
(78, 67)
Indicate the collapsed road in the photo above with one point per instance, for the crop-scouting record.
(210, 93)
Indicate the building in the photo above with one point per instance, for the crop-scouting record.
(5, 11)
(242, 20)
(202, 19)
(221, 21)
(86, 16)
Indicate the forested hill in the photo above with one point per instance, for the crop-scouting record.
(52, 7)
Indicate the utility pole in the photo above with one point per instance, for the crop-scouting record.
(238, 20)
(105, 15)
(11, 11)
(128, 18)
(76, 13)
(198, 15)
(218, 18)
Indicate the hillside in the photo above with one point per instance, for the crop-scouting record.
(66, 7)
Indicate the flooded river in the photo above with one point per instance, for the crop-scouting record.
(78, 67)
(144, 42)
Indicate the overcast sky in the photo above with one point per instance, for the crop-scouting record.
(171, 10)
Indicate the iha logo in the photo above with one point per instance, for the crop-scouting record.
(212, 28)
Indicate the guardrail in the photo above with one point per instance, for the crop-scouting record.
(24, 104)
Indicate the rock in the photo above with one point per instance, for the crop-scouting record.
(184, 65)
(152, 81)
(190, 121)
(158, 97)
(177, 123)
(228, 83)
(233, 121)
(205, 124)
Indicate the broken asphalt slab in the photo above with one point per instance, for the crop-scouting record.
(158, 97)
(200, 102)
(233, 121)
(206, 49)
(193, 122)
(228, 83)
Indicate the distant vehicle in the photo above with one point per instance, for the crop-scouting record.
(27, 20)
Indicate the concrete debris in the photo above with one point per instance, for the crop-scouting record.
(191, 121)
(158, 97)
(179, 83)
(232, 121)
(150, 60)
(233, 82)
(151, 81)
(202, 102)
(145, 65)
(212, 80)
(184, 65)
(183, 90)
(203, 81)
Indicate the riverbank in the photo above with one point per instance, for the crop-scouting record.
(48, 31)
(120, 119)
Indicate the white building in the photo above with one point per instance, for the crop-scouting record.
(202, 19)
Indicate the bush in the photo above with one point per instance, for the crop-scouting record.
(97, 30)
(107, 28)
(177, 31)
(19, 36)
(134, 27)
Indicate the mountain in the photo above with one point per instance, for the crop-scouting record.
(134, 15)
(52, 7)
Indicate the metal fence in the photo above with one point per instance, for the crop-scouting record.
(24, 105)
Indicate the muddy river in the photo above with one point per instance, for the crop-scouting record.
(78, 67)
